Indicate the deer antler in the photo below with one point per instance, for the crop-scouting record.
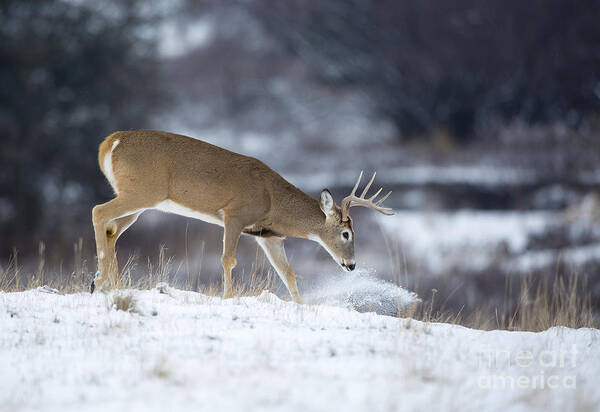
(352, 200)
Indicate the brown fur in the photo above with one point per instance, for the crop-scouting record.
(243, 193)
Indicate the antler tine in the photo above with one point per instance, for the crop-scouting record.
(357, 183)
(353, 200)
(376, 194)
(380, 201)
(348, 199)
(368, 186)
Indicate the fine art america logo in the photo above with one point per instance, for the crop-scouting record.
(527, 369)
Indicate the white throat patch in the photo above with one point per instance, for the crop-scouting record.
(319, 241)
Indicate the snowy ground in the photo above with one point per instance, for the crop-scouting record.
(477, 175)
(474, 240)
(186, 351)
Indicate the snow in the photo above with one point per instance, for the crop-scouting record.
(575, 256)
(418, 175)
(360, 290)
(480, 175)
(186, 351)
(177, 39)
(440, 240)
(590, 177)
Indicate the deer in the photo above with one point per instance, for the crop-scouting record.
(173, 173)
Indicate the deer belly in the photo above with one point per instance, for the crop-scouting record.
(172, 207)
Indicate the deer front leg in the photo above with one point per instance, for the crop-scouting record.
(275, 251)
(231, 234)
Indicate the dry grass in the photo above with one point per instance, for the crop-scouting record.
(161, 369)
(163, 269)
(536, 305)
(561, 302)
(540, 305)
(124, 302)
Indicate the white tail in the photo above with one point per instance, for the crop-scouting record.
(157, 170)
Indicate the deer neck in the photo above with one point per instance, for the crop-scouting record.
(301, 217)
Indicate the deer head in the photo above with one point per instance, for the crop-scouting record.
(337, 235)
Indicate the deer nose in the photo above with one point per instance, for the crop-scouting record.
(351, 266)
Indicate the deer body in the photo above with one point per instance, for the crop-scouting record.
(178, 174)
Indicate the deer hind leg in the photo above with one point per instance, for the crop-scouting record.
(231, 235)
(110, 220)
(114, 230)
(275, 251)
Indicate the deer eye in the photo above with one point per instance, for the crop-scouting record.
(346, 235)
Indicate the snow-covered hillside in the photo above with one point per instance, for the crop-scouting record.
(475, 240)
(190, 352)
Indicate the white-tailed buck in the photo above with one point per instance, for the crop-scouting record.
(178, 174)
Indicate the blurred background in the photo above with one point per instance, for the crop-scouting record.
(483, 117)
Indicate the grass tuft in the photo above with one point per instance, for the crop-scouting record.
(124, 302)
(537, 305)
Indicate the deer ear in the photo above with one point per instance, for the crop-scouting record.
(326, 202)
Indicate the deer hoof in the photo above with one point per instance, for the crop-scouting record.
(93, 284)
